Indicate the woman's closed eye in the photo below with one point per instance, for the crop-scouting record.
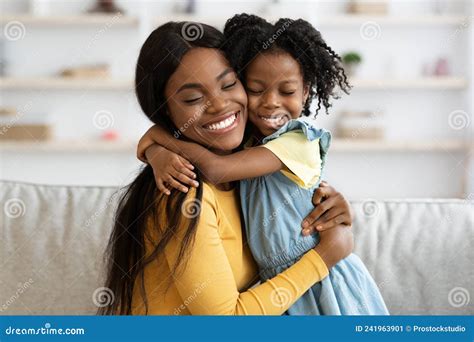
(230, 85)
(193, 100)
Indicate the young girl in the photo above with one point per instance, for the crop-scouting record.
(284, 67)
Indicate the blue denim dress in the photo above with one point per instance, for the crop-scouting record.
(273, 208)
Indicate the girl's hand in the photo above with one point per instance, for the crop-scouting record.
(153, 136)
(331, 210)
(170, 170)
(335, 244)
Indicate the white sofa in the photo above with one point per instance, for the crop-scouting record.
(420, 252)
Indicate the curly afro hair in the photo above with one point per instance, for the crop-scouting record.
(247, 36)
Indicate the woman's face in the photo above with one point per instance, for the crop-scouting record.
(275, 90)
(206, 101)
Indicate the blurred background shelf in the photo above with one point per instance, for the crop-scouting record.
(72, 20)
(63, 83)
(57, 83)
(338, 145)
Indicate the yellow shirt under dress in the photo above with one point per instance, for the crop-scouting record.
(220, 271)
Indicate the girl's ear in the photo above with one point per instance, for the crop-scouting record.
(305, 93)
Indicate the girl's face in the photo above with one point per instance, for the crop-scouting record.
(206, 101)
(275, 90)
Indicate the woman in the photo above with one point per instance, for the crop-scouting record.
(186, 253)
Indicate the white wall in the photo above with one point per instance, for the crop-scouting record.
(409, 114)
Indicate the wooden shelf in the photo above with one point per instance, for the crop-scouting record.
(338, 145)
(68, 146)
(352, 145)
(388, 20)
(72, 20)
(63, 83)
(427, 83)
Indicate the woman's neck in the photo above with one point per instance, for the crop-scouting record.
(227, 185)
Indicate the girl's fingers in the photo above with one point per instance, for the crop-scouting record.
(162, 187)
(185, 179)
(186, 163)
(176, 185)
(183, 169)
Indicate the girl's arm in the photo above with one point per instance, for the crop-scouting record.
(250, 163)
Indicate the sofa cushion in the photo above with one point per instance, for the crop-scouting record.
(53, 238)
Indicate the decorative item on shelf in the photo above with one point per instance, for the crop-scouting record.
(105, 7)
(439, 68)
(185, 7)
(87, 71)
(40, 7)
(110, 135)
(367, 7)
(360, 125)
(351, 60)
(23, 127)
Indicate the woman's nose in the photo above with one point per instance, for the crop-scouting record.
(217, 104)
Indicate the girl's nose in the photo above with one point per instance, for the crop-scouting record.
(271, 100)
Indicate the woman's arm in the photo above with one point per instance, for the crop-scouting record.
(208, 264)
(216, 168)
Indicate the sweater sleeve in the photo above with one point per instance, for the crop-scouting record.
(206, 283)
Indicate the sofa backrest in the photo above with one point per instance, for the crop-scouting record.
(419, 252)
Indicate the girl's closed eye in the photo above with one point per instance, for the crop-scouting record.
(193, 100)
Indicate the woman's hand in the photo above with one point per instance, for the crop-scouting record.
(170, 169)
(335, 244)
(331, 210)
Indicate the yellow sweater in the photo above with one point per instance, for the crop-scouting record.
(220, 270)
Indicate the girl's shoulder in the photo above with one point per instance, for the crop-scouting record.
(303, 126)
